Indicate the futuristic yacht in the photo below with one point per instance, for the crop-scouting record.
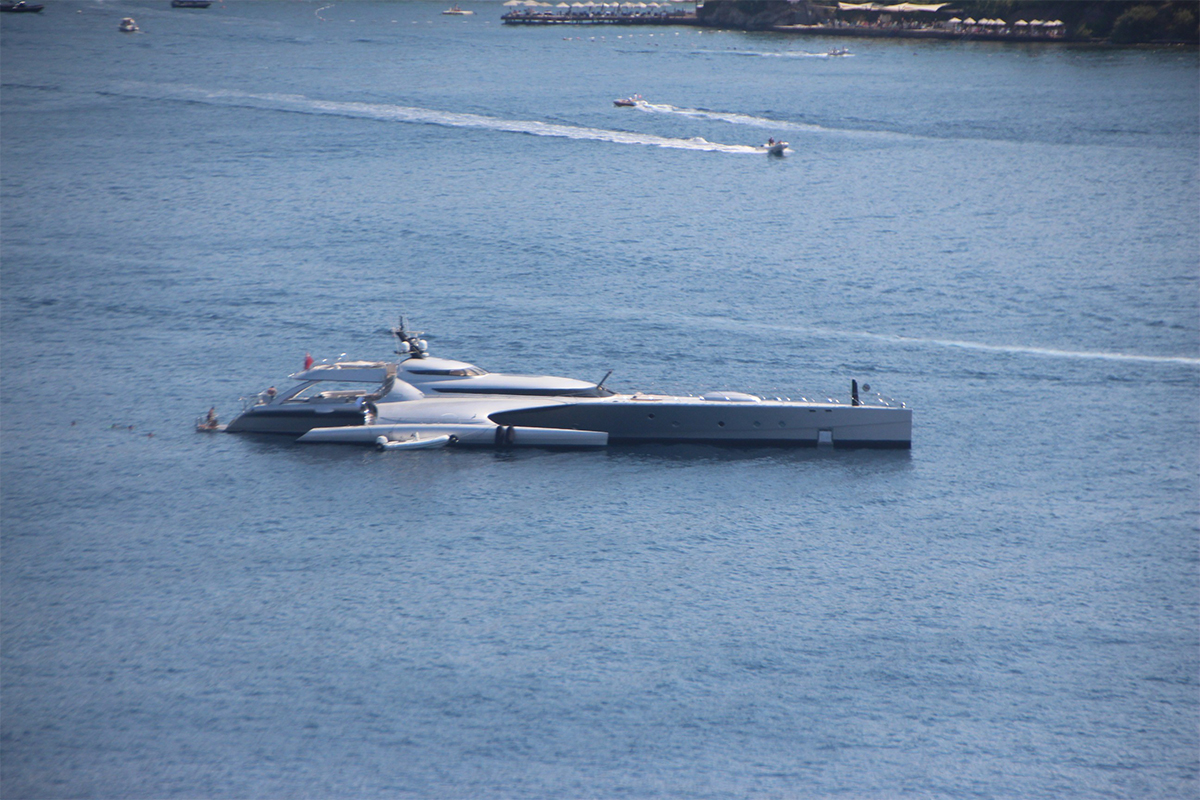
(422, 402)
(341, 393)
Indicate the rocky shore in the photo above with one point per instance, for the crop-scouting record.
(995, 20)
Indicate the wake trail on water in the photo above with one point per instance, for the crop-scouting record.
(929, 342)
(1024, 350)
(387, 112)
(733, 118)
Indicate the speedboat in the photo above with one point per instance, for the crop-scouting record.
(458, 12)
(421, 401)
(627, 102)
(775, 148)
(839, 51)
(21, 7)
(128, 25)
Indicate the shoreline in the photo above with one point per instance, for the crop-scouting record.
(834, 31)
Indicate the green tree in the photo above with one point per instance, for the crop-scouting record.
(1183, 26)
(1138, 24)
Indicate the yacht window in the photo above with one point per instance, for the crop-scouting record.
(329, 391)
(453, 373)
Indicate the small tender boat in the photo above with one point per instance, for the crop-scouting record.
(457, 12)
(21, 7)
(191, 3)
(775, 148)
(414, 442)
(128, 26)
(839, 51)
(627, 102)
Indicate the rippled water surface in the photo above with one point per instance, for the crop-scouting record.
(1005, 238)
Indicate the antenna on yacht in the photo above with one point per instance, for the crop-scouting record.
(409, 343)
(602, 380)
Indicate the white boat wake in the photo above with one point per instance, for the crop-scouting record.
(1047, 352)
(730, 117)
(387, 112)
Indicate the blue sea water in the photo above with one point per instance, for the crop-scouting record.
(1007, 238)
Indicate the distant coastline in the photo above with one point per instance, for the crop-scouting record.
(1092, 21)
(1118, 22)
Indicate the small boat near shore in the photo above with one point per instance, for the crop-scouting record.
(21, 7)
(455, 11)
(191, 3)
(421, 402)
(128, 26)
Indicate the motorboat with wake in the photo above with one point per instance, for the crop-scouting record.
(775, 148)
(420, 401)
(628, 102)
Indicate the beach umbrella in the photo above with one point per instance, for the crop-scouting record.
(514, 3)
(954, 20)
(968, 21)
(1021, 24)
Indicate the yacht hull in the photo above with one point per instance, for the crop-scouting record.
(292, 421)
(468, 435)
(744, 424)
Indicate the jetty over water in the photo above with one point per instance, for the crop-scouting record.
(533, 12)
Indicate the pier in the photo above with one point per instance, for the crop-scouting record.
(531, 12)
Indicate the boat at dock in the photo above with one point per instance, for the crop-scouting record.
(419, 398)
